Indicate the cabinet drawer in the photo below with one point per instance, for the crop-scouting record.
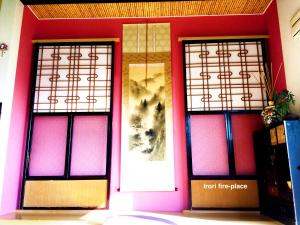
(280, 134)
(277, 135)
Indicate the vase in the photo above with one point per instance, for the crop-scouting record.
(269, 114)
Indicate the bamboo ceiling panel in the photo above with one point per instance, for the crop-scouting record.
(150, 9)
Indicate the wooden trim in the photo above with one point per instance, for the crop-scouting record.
(41, 41)
(205, 38)
(51, 212)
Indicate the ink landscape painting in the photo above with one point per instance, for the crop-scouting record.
(147, 147)
(147, 122)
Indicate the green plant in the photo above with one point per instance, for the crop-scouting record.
(282, 101)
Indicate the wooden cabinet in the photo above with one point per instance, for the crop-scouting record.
(273, 171)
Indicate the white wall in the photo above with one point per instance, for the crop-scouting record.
(291, 48)
(11, 14)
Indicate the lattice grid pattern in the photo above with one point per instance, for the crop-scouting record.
(224, 76)
(73, 78)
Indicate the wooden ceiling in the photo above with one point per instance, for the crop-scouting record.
(150, 9)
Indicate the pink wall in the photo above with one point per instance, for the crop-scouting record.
(100, 28)
(274, 46)
(19, 117)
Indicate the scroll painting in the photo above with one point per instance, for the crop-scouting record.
(147, 158)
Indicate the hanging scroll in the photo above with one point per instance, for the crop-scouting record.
(147, 159)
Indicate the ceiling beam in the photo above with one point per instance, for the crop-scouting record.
(43, 2)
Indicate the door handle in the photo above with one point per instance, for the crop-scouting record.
(298, 167)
